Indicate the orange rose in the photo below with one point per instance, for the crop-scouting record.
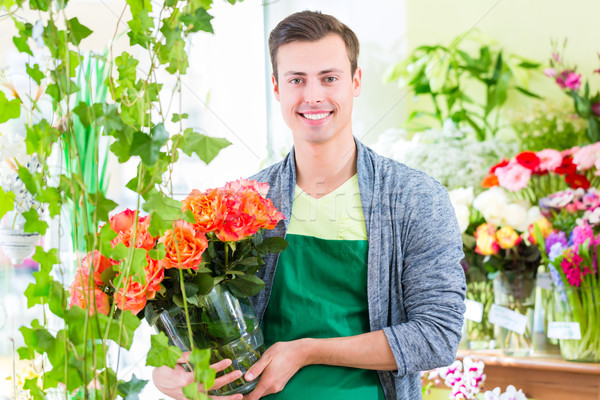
(490, 181)
(241, 185)
(208, 208)
(100, 264)
(131, 297)
(155, 274)
(81, 295)
(262, 210)
(507, 237)
(183, 244)
(143, 239)
(122, 221)
(236, 227)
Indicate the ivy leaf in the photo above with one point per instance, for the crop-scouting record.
(148, 146)
(110, 119)
(102, 204)
(77, 31)
(179, 117)
(33, 223)
(35, 73)
(25, 31)
(9, 109)
(51, 196)
(205, 147)
(200, 359)
(41, 5)
(46, 259)
(163, 211)
(40, 138)
(7, 202)
(161, 353)
(130, 390)
(246, 285)
(273, 244)
(199, 21)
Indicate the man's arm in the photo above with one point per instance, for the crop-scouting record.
(282, 360)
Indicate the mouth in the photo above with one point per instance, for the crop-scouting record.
(316, 116)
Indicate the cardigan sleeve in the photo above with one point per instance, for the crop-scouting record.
(432, 283)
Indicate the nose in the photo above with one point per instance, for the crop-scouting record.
(313, 92)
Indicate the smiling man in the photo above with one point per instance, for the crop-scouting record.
(370, 290)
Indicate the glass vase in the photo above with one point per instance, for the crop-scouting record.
(577, 322)
(514, 293)
(543, 315)
(480, 335)
(225, 324)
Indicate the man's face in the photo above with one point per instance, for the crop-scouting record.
(316, 89)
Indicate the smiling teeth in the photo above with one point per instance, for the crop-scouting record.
(315, 117)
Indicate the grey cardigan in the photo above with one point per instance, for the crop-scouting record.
(416, 286)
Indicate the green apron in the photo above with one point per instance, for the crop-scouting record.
(320, 291)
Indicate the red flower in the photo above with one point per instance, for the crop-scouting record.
(501, 164)
(577, 181)
(529, 160)
(566, 167)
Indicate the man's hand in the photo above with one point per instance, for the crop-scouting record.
(170, 381)
(276, 367)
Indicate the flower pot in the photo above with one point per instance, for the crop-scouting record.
(225, 324)
(543, 315)
(17, 244)
(577, 323)
(512, 312)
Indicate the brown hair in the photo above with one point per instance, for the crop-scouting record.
(310, 26)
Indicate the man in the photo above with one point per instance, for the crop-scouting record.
(370, 290)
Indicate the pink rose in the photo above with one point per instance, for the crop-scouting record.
(549, 159)
(243, 184)
(550, 72)
(513, 177)
(585, 158)
(573, 81)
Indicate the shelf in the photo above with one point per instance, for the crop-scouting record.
(542, 378)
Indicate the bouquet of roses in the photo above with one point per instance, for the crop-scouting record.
(533, 175)
(572, 252)
(217, 248)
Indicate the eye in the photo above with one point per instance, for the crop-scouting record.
(330, 79)
(295, 81)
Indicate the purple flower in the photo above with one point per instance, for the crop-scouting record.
(556, 250)
(553, 238)
(558, 282)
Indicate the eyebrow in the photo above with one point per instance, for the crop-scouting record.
(324, 72)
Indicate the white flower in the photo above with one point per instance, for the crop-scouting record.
(515, 216)
(462, 215)
(495, 195)
(512, 394)
(533, 215)
(461, 196)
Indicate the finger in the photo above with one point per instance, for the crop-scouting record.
(226, 379)
(256, 369)
(231, 397)
(185, 357)
(221, 365)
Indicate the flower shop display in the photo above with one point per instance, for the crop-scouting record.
(210, 262)
(586, 104)
(446, 75)
(572, 252)
(512, 258)
(441, 153)
(466, 381)
(78, 346)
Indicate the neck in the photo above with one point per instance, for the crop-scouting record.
(321, 168)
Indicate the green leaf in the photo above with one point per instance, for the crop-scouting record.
(31, 385)
(148, 146)
(41, 5)
(246, 285)
(204, 283)
(7, 202)
(9, 109)
(179, 117)
(191, 392)
(77, 32)
(131, 389)
(273, 244)
(200, 359)
(205, 147)
(40, 138)
(161, 353)
(102, 204)
(33, 223)
(199, 21)
(51, 196)
(46, 259)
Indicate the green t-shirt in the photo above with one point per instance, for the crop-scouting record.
(320, 291)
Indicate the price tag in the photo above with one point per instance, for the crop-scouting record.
(474, 311)
(564, 330)
(544, 280)
(509, 319)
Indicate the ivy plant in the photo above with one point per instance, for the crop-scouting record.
(132, 118)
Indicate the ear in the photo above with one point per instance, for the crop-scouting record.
(356, 82)
(275, 87)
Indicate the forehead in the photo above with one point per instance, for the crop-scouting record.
(323, 54)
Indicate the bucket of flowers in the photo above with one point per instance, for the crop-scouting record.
(194, 282)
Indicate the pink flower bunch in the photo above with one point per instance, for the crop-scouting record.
(571, 265)
(572, 201)
(587, 105)
(465, 379)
